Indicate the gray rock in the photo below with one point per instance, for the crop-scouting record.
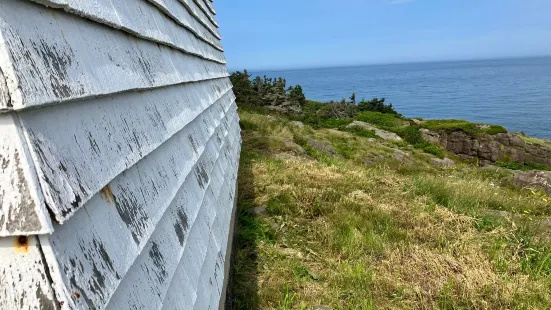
(534, 179)
(324, 148)
(371, 140)
(517, 141)
(401, 156)
(489, 148)
(298, 124)
(431, 136)
(461, 142)
(274, 226)
(383, 134)
(446, 162)
(297, 149)
(415, 122)
(510, 139)
(373, 160)
(257, 210)
(322, 307)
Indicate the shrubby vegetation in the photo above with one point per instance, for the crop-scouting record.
(273, 94)
(266, 91)
(261, 91)
(472, 128)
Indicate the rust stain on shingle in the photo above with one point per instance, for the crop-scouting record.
(107, 194)
(21, 245)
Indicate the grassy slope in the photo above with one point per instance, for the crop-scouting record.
(343, 234)
(536, 141)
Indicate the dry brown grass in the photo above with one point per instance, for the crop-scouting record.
(342, 234)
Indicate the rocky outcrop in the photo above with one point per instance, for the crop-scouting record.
(322, 147)
(490, 148)
(383, 134)
(298, 124)
(446, 162)
(534, 179)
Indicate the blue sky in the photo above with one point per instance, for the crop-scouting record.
(285, 34)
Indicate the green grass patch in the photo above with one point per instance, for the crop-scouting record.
(413, 136)
(382, 120)
(535, 141)
(522, 166)
(454, 125)
(431, 149)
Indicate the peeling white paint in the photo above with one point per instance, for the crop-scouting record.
(24, 282)
(94, 237)
(22, 209)
(206, 10)
(200, 15)
(142, 19)
(208, 4)
(61, 66)
(132, 145)
(77, 156)
(179, 13)
(154, 274)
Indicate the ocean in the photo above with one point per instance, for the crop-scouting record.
(515, 93)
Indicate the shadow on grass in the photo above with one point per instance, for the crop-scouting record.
(244, 285)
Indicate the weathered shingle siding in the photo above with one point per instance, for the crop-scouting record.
(119, 154)
(24, 282)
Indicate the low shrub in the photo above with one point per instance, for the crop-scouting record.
(386, 121)
(522, 166)
(431, 149)
(450, 125)
(411, 135)
(361, 132)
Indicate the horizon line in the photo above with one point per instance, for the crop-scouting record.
(392, 63)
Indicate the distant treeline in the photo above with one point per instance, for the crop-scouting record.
(273, 93)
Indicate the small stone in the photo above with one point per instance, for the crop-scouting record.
(324, 148)
(274, 226)
(415, 122)
(383, 134)
(257, 210)
(371, 140)
(322, 307)
(446, 162)
(295, 148)
(298, 124)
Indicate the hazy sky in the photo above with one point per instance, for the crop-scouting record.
(283, 34)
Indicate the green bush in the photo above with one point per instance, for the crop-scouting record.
(335, 123)
(257, 90)
(362, 132)
(450, 125)
(374, 105)
(386, 121)
(411, 135)
(431, 149)
(522, 166)
(495, 129)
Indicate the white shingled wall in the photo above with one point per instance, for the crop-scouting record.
(119, 151)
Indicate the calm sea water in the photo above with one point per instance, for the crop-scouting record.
(515, 93)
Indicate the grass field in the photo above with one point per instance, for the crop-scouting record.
(365, 228)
